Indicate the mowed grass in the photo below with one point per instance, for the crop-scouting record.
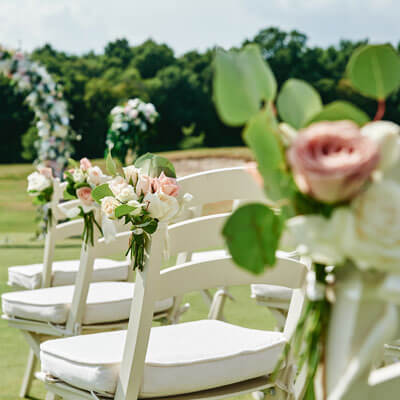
(17, 248)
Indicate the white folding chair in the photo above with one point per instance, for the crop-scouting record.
(60, 273)
(201, 359)
(52, 273)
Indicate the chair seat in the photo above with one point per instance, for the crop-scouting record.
(271, 292)
(106, 302)
(64, 273)
(180, 359)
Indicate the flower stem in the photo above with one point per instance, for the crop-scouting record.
(380, 112)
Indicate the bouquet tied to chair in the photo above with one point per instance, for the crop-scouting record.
(332, 184)
(146, 194)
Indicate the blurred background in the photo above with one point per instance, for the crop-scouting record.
(106, 52)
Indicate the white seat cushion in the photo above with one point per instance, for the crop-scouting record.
(64, 273)
(106, 302)
(181, 358)
(271, 292)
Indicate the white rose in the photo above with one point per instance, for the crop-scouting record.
(117, 185)
(108, 206)
(127, 194)
(161, 206)
(95, 176)
(133, 113)
(386, 134)
(132, 173)
(373, 236)
(38, 182)
(133, 102)
(117, 110)
(320, 237)
(78, 175)
(138, 207)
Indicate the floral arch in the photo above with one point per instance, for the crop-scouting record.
(54, 145)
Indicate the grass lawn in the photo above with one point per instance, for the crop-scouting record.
(17, 248)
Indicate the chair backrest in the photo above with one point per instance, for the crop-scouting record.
(153, 284)
(221, 184)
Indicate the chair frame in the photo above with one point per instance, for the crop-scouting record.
(153, 284)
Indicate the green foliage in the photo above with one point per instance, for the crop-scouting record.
(260, 135)
(243, 81)
(101, 191)
(123, 210)
(28, 143)
(339, 110)
(110, 165)
(179, 87)
(252, 234)
(153, 165)
(374, 70)
(298, 102)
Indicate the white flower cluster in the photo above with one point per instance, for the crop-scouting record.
(128, 122)
(38, 182)
(158, 197)
(367, 231)
(46, 100)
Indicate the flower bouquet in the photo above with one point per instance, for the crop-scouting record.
(54, 145)
(331, 178)
(81, 180)
(40, 187)
(145, 195)
(131, 127)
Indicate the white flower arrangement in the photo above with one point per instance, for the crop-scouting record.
(143, 200)
(130, 127)
(81, 180)
(54, 146)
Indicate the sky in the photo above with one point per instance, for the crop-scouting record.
(78, 26)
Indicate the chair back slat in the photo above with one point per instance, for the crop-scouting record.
(221, 184)
(222, 271)
(201, 233)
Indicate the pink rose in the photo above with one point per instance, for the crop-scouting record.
(85, 164)
(165, 184)
(332, 160)
(47, 172)
(144, 185)
(85, 195)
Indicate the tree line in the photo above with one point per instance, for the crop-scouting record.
(179, 87)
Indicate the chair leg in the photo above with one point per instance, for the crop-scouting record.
(28, 375)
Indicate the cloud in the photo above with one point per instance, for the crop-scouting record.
(82, 25)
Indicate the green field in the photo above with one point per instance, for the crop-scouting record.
(17, 247)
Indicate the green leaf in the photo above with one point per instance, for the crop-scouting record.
(252, 234)
(298, 102)
(110, 165)
(374, 70)
(72, 163)
(68, 196)
(101, 191)
(242, 82)
(122, 210)
(260, 135)
(153, 165)
(341, 110)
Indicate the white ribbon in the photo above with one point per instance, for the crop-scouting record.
(109, 229)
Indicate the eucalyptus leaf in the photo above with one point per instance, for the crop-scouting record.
(122, 210)
(341, 110)
(298, 102)
(374, 70)
(153, 165)
(261, 136)
(110, 165)
(242, 82)
(101, 191)
(252, 234)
